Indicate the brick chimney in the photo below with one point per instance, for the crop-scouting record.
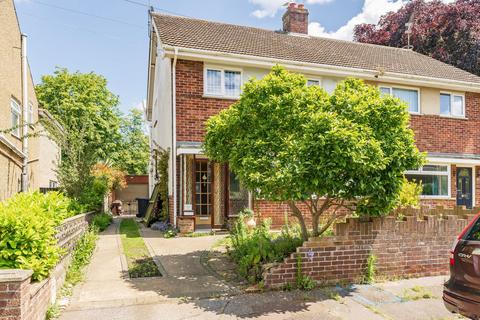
(295, 19)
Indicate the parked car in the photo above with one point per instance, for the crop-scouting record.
(461, 293)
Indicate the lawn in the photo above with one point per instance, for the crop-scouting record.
(140, 263)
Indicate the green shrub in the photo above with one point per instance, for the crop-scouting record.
(92, 198)
(410, 194)
(81, 256)
(370, 270)
(27, 231)
(251, 249)
(102, 221)
(303, 282)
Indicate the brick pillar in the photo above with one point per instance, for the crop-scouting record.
(14, 293)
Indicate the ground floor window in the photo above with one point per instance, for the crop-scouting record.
(435, 179)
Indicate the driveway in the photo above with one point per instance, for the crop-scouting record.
(194, 286)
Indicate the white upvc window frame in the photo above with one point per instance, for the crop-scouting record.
(390, 87)
(448, 173)
(316, 80)
(222, 70)
(452, 97)
(15, 109)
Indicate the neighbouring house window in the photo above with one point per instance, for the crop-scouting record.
(329, 85)
(311, 82)
(30, 114)
(452, 105)
(15, 111)
(52, 184)
(435, 179)
(223, 82)
(232, 83)
(214, 81)
(409, 96)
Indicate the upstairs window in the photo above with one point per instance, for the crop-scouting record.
(435, 180)
(222, 82)
(15, 114)
(312, 82)
(452, 105)
(409, 96)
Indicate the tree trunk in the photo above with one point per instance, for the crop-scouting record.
(315, 221)
(298, 214)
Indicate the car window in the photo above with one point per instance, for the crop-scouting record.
(474, 233)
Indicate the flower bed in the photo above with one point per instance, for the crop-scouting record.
(253, 248)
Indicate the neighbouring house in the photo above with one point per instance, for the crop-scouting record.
(197, 68)
(17, 124)
(136, 188)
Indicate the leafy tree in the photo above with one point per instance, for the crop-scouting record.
(447, 32)
(133, 151)
(295, 143)
(87, 111)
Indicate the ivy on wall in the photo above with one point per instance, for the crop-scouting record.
(162, 157)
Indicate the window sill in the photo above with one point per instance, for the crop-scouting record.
(453, 117)
(219, 96)
(436, 198)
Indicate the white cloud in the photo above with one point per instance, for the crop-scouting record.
(318, 1)
(268, 8)
(371, 12)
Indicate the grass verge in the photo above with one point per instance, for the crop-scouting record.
(140, 264)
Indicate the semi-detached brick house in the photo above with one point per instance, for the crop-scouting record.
(197, 68)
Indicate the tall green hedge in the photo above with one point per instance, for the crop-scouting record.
(27, 231)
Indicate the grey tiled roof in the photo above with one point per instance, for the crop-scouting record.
(228, 38)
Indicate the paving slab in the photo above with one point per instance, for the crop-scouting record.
(197, 284)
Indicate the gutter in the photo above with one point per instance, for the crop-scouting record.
(174, 135)
(312, 68)
(25, 119)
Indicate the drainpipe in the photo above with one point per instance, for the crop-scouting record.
(174, 135)
(24, 115)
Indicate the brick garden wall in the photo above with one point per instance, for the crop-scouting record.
(20, 299)
(413, 247)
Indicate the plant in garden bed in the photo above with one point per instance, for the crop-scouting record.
(81, 256)
(336, 153)
(140, 264)
(251, 249)
(28, 224)
(102, 221)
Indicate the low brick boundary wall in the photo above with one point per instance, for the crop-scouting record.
(412, 247)
(20, 299)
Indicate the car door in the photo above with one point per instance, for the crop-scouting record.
(467, 262)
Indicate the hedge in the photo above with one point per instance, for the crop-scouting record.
(27, 231)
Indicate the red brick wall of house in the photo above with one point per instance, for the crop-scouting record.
(193, 110)
(411, 248)
(434, 133)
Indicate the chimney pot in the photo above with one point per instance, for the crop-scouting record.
(295, 19)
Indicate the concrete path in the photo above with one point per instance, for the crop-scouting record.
(190, 290)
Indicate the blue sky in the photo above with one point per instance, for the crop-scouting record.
(119, 51)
